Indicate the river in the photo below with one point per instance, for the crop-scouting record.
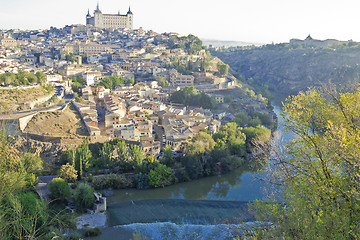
(208, 208)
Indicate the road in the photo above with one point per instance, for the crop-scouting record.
(17, 115)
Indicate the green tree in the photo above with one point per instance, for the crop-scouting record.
(122, 151)
(162, 82)
(41, 78)
(105, 158)
(136, 154)
(76, 87)
(59, 190)
(68, 173)
(84, 196)
(32, 163)
(168, 157)
(319, 175)
(200, 143)
(83, 157)
(223, 69)
(150, 159)
(161, 176)
(22, 214)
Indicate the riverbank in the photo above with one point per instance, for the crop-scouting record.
(86, 221)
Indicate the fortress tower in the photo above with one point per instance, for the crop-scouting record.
(114, 21)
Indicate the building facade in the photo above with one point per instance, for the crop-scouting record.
(112, 21)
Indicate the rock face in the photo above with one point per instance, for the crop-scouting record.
(286, 70)
(49, 152)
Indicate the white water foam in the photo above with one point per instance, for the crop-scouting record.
(168, 230)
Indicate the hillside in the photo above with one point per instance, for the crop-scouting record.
(13, 99)
(285, 70)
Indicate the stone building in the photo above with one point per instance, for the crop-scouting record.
(112, 21)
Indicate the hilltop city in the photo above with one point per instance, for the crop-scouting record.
(106, 50)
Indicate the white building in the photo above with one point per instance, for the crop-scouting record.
(112, 21)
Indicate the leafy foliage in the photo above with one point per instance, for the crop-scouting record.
(161, 176)
(22, 78)
(188, 97)
(116, 181)
(22, 214)
(191, 43)
(93, 232)
(68, 173)
(113, 81)
(223, 69)
(84, 196)
(319, 176)
(59, 190)
(32, 163)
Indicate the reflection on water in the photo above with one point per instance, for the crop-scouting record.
(242, 184)
(234, 186)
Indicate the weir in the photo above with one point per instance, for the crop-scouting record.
(179, 211)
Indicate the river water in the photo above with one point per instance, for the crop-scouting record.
(208, 208)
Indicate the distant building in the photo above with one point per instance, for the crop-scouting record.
(114, 21)
(8, 42)
(177, 79)
(310, 42)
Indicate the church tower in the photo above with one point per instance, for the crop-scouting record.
(129, 15)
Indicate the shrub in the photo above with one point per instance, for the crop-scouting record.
(141, 181)
(58, 189)
(73, 236)
(93, 232)
(84, 196)
(230, 163)
(32, 163)
(68, 173)
(116, 181)
(161, 176)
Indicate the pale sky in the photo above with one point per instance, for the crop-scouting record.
(262, 21)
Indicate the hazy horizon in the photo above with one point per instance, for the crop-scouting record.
(256, 21)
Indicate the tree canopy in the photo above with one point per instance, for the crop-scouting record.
(188, 97)
(22, 78)
(191, 43)
(320, 173)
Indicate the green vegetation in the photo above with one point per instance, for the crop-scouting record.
(93, 232)
(115, 181)
(79, 158)
(84, 196)
(254, 119)
(71, 57)
(224, 151)
(162, 82)
(188, 97)
(113, 81)
(32, 163)
(68, 173)
(190, 43)
(22, 78)
(283, 69)
(77, 83)
(59, 190)
(320, 174)
(223, 69)
(161, 176)
(205, 155)
(22, 214)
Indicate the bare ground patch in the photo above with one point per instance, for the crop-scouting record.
(66, 124)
